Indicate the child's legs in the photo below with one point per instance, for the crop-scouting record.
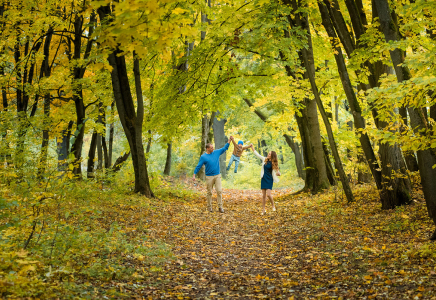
(237, 159)
(270, 197)
(232, 158)
(263, 199)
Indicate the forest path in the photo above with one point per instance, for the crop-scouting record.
(307, 249)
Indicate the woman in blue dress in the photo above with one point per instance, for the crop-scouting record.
(270, 171)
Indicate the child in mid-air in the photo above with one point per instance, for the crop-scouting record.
(237, 152)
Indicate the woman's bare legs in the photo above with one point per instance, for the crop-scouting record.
(263, 201)
(270, 197)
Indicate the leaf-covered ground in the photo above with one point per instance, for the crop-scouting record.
(125, 246)
(312, 247)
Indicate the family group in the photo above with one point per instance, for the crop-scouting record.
(269, 171)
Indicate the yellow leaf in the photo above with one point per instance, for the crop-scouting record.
(21, 253)
(27, 268)
(178, 11)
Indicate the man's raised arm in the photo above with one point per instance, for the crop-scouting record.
(233, 141)
(226, 146)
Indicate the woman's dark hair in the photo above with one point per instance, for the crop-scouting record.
(274, 160)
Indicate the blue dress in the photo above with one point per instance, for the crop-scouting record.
(267, 179)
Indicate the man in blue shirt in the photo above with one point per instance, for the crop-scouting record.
(211, 159)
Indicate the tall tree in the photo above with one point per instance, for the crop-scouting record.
(426, 157)
(78, 72)
(306, 55)
(45, 71)
(220, 140)
(395, 190)
(131, 120)
(167, 169)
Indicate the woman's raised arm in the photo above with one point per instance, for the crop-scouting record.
(257, 154)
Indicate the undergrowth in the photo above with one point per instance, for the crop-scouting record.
(59, 234)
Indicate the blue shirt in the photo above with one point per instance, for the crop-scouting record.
(212, 161)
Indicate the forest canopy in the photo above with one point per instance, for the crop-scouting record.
(121, 93)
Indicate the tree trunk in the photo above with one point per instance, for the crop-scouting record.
(2, 70)
(210, 138)
(45, 137)
(220, 140)
(76, 148)
(47, 98)
(148, 148)
(336, 108)
(119, 162)
(111, 135)
(99, 152)
(409, 155)
(362, 175)
(308, 155)
(329, 165)
(204, 136)
(427, 157)
(396, 188)
(105, 152)
(322, 181)
(310, 69)
(91, 155)
(316, 174)
(167, 169)
(78, 73)
(130, 120)
(297, 154)
(24, 78)
(308, 62)
(399, 190)
(99, 137)
(264, 147)
(356, 111)
(63, 146)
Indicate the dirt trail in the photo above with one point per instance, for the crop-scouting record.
(300, 251)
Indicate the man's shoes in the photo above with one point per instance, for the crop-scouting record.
(236, 171)
(221, 210)
(228, 169)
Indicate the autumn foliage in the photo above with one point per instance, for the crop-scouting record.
(106, 107)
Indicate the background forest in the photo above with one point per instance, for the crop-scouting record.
(102, 100)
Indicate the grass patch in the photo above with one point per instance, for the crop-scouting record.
(70, 237)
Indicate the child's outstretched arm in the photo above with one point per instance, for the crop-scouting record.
(246, 147)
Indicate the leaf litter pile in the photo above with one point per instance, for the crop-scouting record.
(311, 247)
